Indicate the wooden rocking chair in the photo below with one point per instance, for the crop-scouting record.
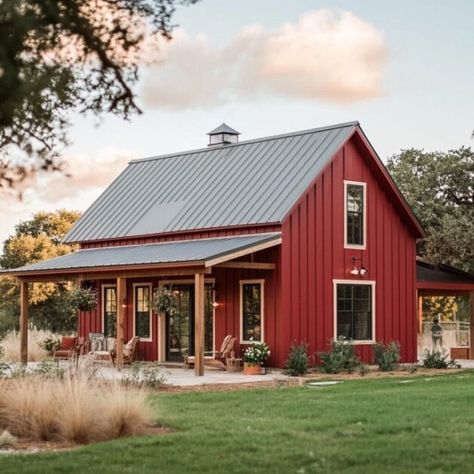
(217, 359)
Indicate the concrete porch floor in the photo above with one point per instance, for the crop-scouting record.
(179, 377)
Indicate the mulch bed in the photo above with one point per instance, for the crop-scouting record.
(313, 376)
(29, 446)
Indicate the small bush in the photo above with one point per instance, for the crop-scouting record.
(11, 345)
(148, 376)
(435, 359)
(386, 356)
(71, 409)
(49, 344)
(49, 368)
(297, 363)
(341, 357)
(363, 369)
(6, 439)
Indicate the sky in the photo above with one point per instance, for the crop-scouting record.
(403, 69)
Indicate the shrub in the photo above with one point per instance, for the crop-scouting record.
(363, 369)
(341, 357)
(435, 359)
(6, 439)
(386, 356)
(83, 299)
(49, 368)
(297, 363)
(148, 376)
(71, 409)
(11, 345)
(50, 344)
(257, 353)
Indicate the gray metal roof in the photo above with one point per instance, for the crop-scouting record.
(224, 128)
(251, 182)
(199, 250)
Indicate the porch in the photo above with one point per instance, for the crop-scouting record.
(441, 286)
(194, 265)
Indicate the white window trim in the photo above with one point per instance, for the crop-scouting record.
(364, 211)
(150, 285)
(262, 309)
(103, 287)
(354, 282)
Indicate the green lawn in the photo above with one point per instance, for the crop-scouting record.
(426, 425)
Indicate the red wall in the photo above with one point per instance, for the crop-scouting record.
(195, 234)
(313, 255)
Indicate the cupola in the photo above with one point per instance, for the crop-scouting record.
(223, 135)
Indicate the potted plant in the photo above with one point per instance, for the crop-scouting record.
(254, 357)
(165, 301)
(49, 344)
(83, 299)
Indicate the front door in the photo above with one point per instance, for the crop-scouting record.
(180, 327)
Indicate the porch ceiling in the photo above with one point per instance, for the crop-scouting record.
(199, 253)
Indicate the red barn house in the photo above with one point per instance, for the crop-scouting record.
(297, 237)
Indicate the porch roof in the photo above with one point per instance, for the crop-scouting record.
(442, 277)
(199, 252)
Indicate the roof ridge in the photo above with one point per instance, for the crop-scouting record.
(354, 123)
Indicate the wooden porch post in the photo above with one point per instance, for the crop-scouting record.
(420, 314)
(471, 325)
(199, 324)
(24, 322)
(121, 305)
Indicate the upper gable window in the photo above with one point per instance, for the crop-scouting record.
(355, 214)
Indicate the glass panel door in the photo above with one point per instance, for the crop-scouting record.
(180, 327)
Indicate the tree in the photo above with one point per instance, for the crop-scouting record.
(439, 186)
(33, 241)
(62, 55)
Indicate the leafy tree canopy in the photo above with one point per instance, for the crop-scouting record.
(440, 188)
(63, 55)
(33, 241)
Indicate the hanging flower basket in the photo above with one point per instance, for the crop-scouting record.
(165, 301)
(83, 299)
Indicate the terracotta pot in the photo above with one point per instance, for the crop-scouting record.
(252, 369)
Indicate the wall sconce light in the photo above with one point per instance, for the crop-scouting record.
(358, 270)
(215, 304)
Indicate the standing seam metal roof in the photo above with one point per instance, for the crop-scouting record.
(198, 250)
(251, 182)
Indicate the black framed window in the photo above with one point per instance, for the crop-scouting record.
(354, 311)
(252, 306)
(142, 311)
(355, 214)
(110, 311)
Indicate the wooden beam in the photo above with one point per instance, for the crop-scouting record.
(471, 327)
(240, 253)
(199, 324)
(420, 314)
(24, 323)
(121, 307)
(108, 275)
(247, 265)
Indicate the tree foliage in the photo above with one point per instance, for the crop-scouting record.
(62, 55)
(35, 240)
(440, 188)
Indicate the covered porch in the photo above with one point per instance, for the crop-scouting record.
(446, 293)
(218, 264)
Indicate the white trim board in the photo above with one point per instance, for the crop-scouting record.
(372, 283)
(149, 285)
(261, 281)
(364, 212)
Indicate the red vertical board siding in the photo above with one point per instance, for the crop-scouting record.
(389, 257)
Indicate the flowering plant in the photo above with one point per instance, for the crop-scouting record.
(165, 301)
(257, 353)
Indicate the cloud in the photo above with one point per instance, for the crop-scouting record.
(326, 55)
(83, 172)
